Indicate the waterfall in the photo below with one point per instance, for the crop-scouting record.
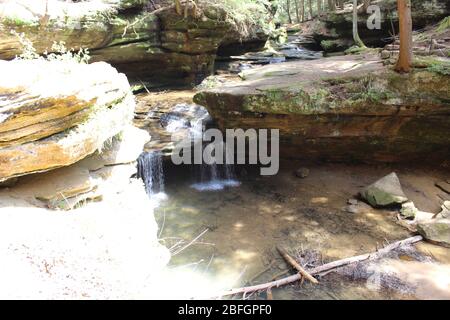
(150, 170)
(214, 177)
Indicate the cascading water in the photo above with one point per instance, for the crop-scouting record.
(212, 176)
(215, 176)
(188, 118)
(150, 170)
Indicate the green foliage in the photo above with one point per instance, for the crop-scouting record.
(59, 52)
(367, 89)
(444, 24)
(440, 68)
(433, 64)
(245, 15)
(16, 21)
(355, 50)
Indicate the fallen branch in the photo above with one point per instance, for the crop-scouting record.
(296, 265)
(324, 268)
(369, 256)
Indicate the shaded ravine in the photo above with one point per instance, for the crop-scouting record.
(222, 224)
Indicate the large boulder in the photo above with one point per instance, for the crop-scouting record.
(385, 192)
(349, 108)
(55, 113)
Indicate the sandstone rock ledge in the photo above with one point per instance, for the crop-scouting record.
(146, 45)
(53, 114)
(340, 109)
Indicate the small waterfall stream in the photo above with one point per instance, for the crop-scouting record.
(150, 170)
(185, 120)
(214, 177)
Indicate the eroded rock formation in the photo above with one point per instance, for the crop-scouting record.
(55, 113)
(145, 44)
(343, 109)
(333, 31)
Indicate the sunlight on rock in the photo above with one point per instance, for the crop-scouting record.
(289, 218)
(319, 200)
(238, 225)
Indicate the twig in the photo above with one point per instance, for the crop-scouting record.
(190, 243)
(296, 265)
(162, 225)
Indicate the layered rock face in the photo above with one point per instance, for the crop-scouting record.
(145, 44)
(342, 109)
(334, 30)
(55, 113)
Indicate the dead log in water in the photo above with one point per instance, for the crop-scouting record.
(324, 268)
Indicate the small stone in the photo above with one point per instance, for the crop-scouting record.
(352, 201)
(360, 207)
(385, 54)
(385, 192)
(409, 210)
(302, 173)
(445, 213)
(436, 230)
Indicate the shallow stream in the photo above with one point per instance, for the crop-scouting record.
(222, 225)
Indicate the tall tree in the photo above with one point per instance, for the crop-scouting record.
(288, 10)
(331, 5)
(356, 37)
(302, 5)
(310, 9)
(405, 21)
(297, 11)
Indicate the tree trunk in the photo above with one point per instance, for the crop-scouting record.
(303, 10)
(331, 5)
(297, 11)
(288, 9)
(405, 21)
(310, 9)
(356, 37)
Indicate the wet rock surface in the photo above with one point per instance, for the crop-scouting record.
(169, 118)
